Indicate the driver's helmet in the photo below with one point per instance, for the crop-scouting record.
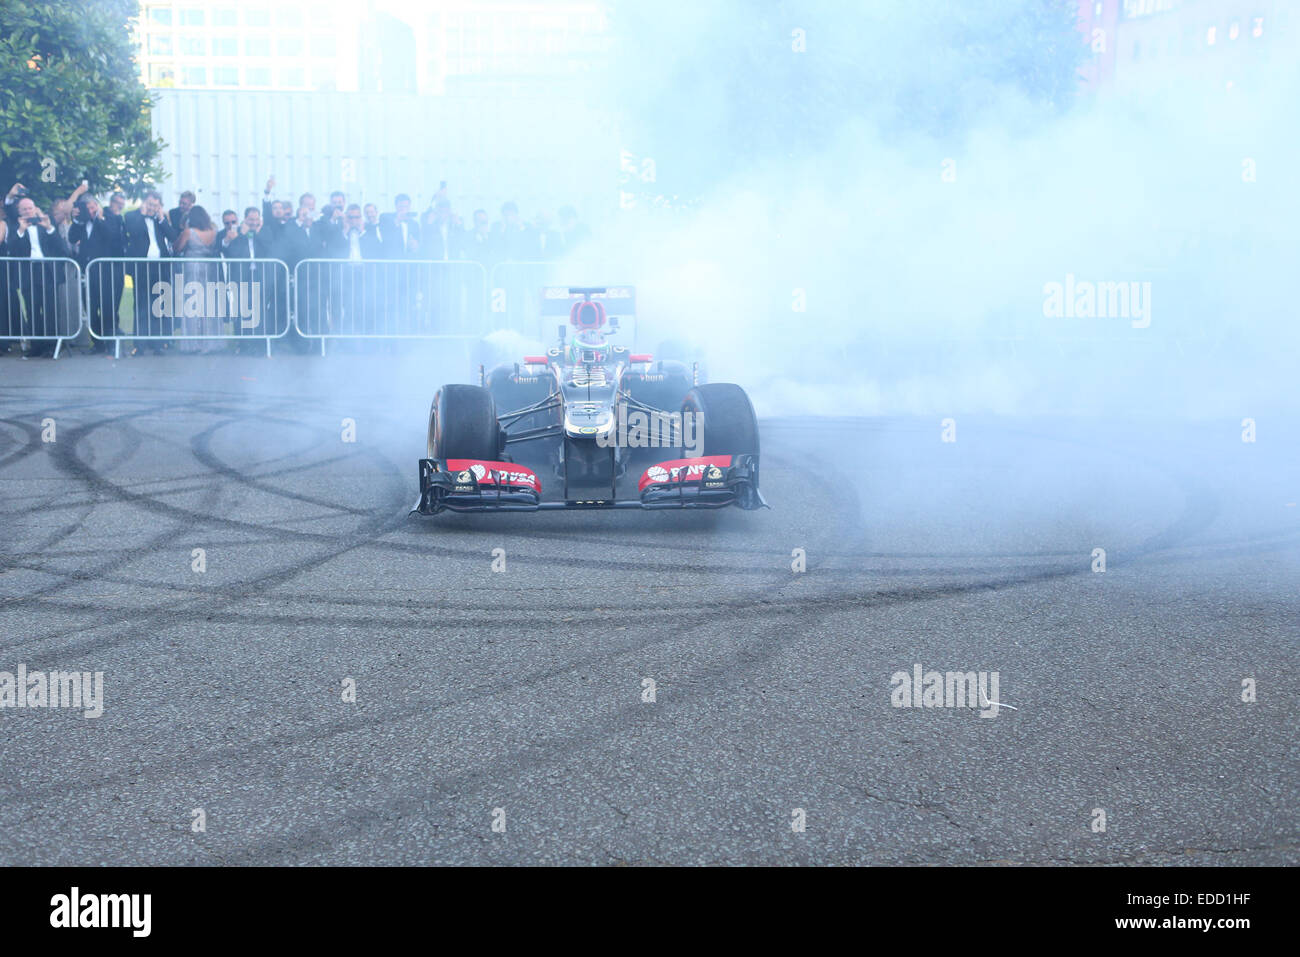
(587, 316)
(588, 319)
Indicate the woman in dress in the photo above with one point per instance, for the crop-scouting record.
(198, 240)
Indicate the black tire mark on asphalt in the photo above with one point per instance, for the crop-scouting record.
(1190, 520)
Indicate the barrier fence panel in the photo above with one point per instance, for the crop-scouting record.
(40, 300)
(389, 299)
(192, 301)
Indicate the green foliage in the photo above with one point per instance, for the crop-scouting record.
(71, 103)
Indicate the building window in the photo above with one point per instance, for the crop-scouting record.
(322, 46)
(225, 76)
(258, 46)
(288, 17)
(257, 76)
(291, 77)
(193, 46)
(257, 18)
(225, 17)
(289, 46)
(194, 76)
(161, 16)
(191, 18)
(225, 46)
(160, 44)
(161, 75)
(322, 78)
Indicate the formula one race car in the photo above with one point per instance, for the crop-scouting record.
(590, 413)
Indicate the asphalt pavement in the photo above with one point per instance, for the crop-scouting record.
(295, 671)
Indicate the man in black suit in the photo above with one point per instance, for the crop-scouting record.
(379, 288)
(149, 236)
(276, 213)
(36, 240)
(573, 233)
(10, 311)
(514, 239)
(331, 228)
(299, 240)
(401, 234)
(478, 240)
(363, 292)
(244, 244)
(401, 230)
(10, 307)
(95, 236)
(178, 215)
(444, 241)
(246, 240)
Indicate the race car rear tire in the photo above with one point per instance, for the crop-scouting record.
(510, 395)
(668, 392)
(726, 415)
(463, 424)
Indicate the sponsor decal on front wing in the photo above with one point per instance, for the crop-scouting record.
(469, 471)
(708, 469)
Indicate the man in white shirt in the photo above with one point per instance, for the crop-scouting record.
(149, 236)
(40, 281)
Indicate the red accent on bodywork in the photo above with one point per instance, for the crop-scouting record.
(510, 473)
(535, 360)
(640, 357)
(671, 471)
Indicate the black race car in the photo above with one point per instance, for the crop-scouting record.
(590, 413)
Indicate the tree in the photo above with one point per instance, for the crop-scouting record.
(72, 106)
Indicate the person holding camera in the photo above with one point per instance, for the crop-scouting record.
(93, 235)
(10, 311)
(35, 240)
(149, 236)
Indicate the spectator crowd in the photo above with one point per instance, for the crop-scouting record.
(82, 229)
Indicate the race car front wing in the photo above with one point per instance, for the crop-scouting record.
(465, 485)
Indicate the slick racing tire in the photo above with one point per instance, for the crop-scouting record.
(463, 424)
(725, 414)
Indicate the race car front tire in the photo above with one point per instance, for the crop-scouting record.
(463, 424)
(726, 416)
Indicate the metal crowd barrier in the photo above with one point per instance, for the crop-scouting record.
(195, 302)
(40, 300)
(389, 299)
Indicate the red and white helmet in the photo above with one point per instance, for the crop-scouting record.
(587, 316)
